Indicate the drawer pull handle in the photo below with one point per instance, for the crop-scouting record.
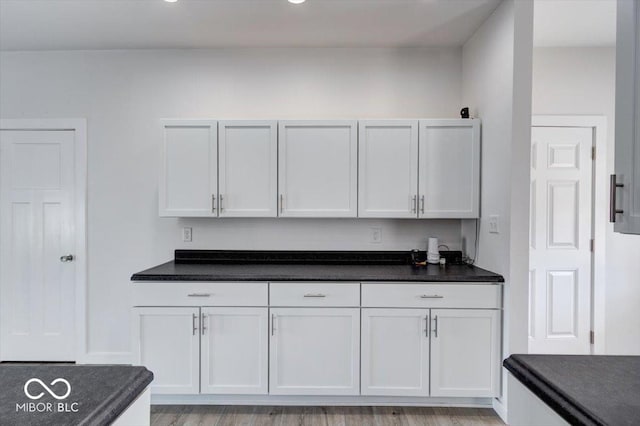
(315, 295)
(193, 324)
(431, 296)
(199, 294)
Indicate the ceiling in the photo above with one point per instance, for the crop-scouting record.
(136, 24)
(576, 23)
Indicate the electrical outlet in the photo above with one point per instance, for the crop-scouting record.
(493, 224)
(376, 235)
(187, 234)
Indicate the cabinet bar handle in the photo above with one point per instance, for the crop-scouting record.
(281, 203)
(273, 324)
(193, 323)
(414, 209)
(435, 330)
(199, 295)
(202, 326)
(315, 295)
(220, 203)
(431, 296)
(422, 204)
(426, 326)
(613, 186)
(213, 203)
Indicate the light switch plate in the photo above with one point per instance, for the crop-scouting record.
(187, 234)
(376, 235)
(493, 224)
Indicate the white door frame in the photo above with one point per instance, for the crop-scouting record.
(600, 213)
(79, 127)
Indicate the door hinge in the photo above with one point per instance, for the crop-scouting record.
(593, 152)
(592, 245)
(592, 337)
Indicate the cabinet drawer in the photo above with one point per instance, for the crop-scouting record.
(200, 294)
(314, 294)
(403, 295)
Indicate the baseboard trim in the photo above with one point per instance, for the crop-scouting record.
(501, 409)
(319, 400)
(105, 358)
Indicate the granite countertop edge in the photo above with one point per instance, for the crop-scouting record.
(234, 278)
(107, 412)
(571, 411)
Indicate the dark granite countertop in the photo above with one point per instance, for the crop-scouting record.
(583, 389)
(307, 266)
(101, 393)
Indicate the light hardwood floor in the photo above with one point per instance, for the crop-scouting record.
(179, 415)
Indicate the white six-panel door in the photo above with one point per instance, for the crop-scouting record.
(465, 353)
(37, 289)
(189, 170)
(248, 168)
(314, 351)
(318, 168)
(449, 168)
(234, 350)
(395, 352)
(167, 341)
(560, 238)
(388, 168)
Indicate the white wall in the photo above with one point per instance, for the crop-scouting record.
(497, 87)
(582, 81)
(123, 94)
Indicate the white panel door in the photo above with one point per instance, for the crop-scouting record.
(560, 240)
(465, 352)
(248, 168)
(189, 170)
(627, 153)
(395, 352)
(449, 168)
(167, 342)
(318, 168)
(234, 350)
(314, 351)
(37, 297)
(388, 168)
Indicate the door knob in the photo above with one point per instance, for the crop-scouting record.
(66, 258)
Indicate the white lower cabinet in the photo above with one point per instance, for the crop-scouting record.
(167, 341)
(193, 350)
(465, 358)
(234, 351)
(395, 352)
(315, 351)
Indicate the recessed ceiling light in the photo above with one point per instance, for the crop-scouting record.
(171, 1)
(296, 1)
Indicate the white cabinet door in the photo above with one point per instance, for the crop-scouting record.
(318, 168)
(449, 169)
(625, 200)
(166, 341)
(395, 352)
(248, 168)
(189, 170)
(314, 351)
(388, 168)
(234, 350)
(465, 358)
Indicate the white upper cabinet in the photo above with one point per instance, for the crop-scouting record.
(449, 169)
(189, 171)
(248, 168)
(625, 184)
(318, 167)
(388, 168)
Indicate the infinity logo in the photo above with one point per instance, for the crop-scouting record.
(52, 393)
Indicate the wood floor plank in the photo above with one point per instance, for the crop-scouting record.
(214, 415)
